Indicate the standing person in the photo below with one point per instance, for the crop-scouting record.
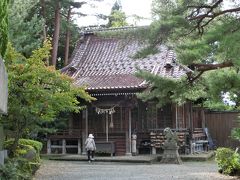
(90, 147)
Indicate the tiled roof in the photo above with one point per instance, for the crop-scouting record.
(106, 63)
(109, 81)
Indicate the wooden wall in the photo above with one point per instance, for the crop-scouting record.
(220, 125)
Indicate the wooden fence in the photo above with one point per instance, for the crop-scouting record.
(220, 125)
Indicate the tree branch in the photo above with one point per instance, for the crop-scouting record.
(201, 68)
(208, 67)
(203, 14)
(214, 14)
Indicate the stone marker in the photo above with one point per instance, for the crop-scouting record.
(170, 147)
(3, 88)
(3, 104)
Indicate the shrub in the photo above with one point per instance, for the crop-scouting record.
(26, 158)
(228, 161)
(22, 142)
(13, 170)
(36, 144)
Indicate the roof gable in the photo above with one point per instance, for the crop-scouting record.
(107, 63)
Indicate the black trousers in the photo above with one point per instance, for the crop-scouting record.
(90, 154)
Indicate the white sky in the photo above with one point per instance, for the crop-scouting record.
(130, 7)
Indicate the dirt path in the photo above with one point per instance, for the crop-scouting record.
(76, 170)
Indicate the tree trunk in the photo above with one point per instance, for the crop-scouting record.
(16, 139)
(14, 146)
(67, 40)
(43, 13)
(56, 33)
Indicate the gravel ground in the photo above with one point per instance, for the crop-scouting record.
(76, 170)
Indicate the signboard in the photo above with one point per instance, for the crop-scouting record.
(3, 88)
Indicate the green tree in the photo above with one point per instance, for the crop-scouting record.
(205, 37)
(3, 26)
(70, 34)
(62, 29)
(117, 18)
(31, 22)
(37, 93)
(25, 26)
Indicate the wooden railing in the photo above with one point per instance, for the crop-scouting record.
(70, 133)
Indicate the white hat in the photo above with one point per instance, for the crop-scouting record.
(90, 136)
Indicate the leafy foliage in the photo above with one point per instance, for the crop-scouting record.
(25, 26)
(228, 161)
(40, 91)
(3, 26)
(11, 171)
(117, 19)
(207, 44)
(167, 90)
(31, 21)
(35, 144)
(25, 161)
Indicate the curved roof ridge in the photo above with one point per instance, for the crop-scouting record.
(92, 30)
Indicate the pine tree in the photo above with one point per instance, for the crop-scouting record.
(117, 18)
(205, 37)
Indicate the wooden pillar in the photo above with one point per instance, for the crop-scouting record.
(70, 124)
(128, 133)
(107, 127)
(121, 118)
(49, 146)
(130, 129)
(191, 117)
(86, 122)
(79, 146)
(176, 109)
(83, 144)
(184, 116)
(203, 118)
(64, 146)
(84, 132)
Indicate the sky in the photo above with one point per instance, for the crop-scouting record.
(130, 7)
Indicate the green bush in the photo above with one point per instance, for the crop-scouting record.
(22, 142)
(13, 170)
(228, 161)
(36, 144)
(26, 159)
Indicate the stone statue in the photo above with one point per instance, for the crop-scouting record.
(170, 153)
(171, 137)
